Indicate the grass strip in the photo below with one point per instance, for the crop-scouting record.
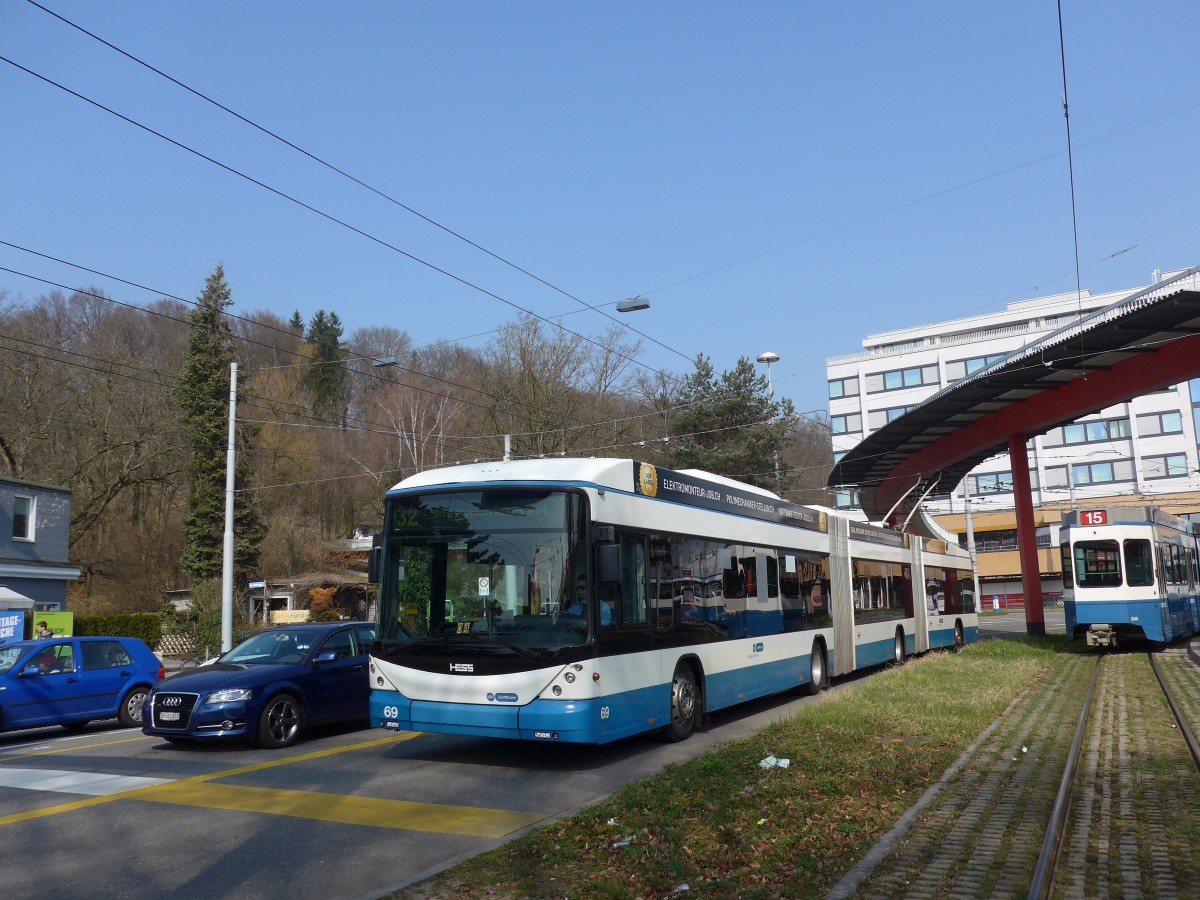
(725, 827)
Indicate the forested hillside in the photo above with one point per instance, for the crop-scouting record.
(127, 406)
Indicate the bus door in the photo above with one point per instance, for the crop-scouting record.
(621, 592)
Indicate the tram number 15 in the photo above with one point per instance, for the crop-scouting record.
(1093, 517)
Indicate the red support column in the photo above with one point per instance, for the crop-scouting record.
(1031, 576)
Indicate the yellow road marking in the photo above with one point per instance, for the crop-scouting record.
(77, 747)
(305, 757)
(345, 810)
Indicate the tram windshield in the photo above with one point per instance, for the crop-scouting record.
(1097, 564)
(497, 566)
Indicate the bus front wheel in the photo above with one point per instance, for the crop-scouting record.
(683, 705)
(898, 651)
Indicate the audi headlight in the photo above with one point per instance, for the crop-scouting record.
(233, 695)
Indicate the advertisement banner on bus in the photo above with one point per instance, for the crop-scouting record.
(665, 484)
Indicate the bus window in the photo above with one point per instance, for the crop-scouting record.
(1097, 564)
(633, 580)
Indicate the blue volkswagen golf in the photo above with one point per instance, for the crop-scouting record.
(69, 681)
(269, 687)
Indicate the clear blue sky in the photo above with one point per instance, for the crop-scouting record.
(773, 176)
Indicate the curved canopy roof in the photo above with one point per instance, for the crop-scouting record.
(1137, 345)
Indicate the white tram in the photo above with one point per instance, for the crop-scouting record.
(1129, 571)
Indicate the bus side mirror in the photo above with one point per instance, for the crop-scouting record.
(373, 556)
(610, 563)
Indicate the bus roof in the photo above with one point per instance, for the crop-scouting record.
(614, 473)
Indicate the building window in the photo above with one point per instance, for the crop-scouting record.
(848, 499)
(1090, 473)
(843, 387)
(992, 483)
(879, 417)
(1160, 423)
(898, 379)
(1087, 432)
(993, 541)
(22, 520)
(847, 424)
(959, 369)
(1171, 466)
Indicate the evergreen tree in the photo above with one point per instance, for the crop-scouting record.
(326, 377)
(296, 322)
(202, 393)
(730, 425)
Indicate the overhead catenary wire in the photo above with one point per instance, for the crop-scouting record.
(327, 216)
(378, 192)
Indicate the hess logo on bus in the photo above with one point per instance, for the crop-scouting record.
(462, 667)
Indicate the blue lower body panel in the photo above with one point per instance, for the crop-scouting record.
(1146, 616)
(572, 721)
(876, 653)
(729, 688)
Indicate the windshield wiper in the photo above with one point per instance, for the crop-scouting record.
(531, 655)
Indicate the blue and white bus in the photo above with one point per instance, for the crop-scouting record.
(586, 600)
(1129, 572)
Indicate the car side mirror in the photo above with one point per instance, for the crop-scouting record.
(30, 670)
(326, 656)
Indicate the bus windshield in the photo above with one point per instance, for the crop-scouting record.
(493, 565)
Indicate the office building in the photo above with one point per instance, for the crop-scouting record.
(1142, 452)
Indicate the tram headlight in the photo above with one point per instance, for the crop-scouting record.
(569, 678)
(557, 690)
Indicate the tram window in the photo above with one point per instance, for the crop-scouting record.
(1097, 564)
(1139, 563)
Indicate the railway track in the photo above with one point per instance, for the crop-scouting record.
(1115, 777)
(1123, 822)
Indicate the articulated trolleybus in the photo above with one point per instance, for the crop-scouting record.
(586, 600)
(1129, 572)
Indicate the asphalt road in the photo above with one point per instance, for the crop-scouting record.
(1011, 623)
(345, 813)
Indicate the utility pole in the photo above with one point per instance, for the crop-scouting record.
(227, 560)
(768, 358)
(971, 541)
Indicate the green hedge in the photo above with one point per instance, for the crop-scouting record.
(147, 626)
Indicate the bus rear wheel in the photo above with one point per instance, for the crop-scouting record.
(683, 705)
(958, 637)
(816, 679)
(898, 652)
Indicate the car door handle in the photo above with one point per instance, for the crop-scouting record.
(125, 673)
(72, 680)
(359, 668)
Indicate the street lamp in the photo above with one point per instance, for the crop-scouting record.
(633, 304)
(768, 357)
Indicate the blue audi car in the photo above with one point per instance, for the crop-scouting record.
(268, 688)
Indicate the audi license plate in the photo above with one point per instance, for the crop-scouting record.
(168, 717)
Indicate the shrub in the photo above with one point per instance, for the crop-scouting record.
(145, 626)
